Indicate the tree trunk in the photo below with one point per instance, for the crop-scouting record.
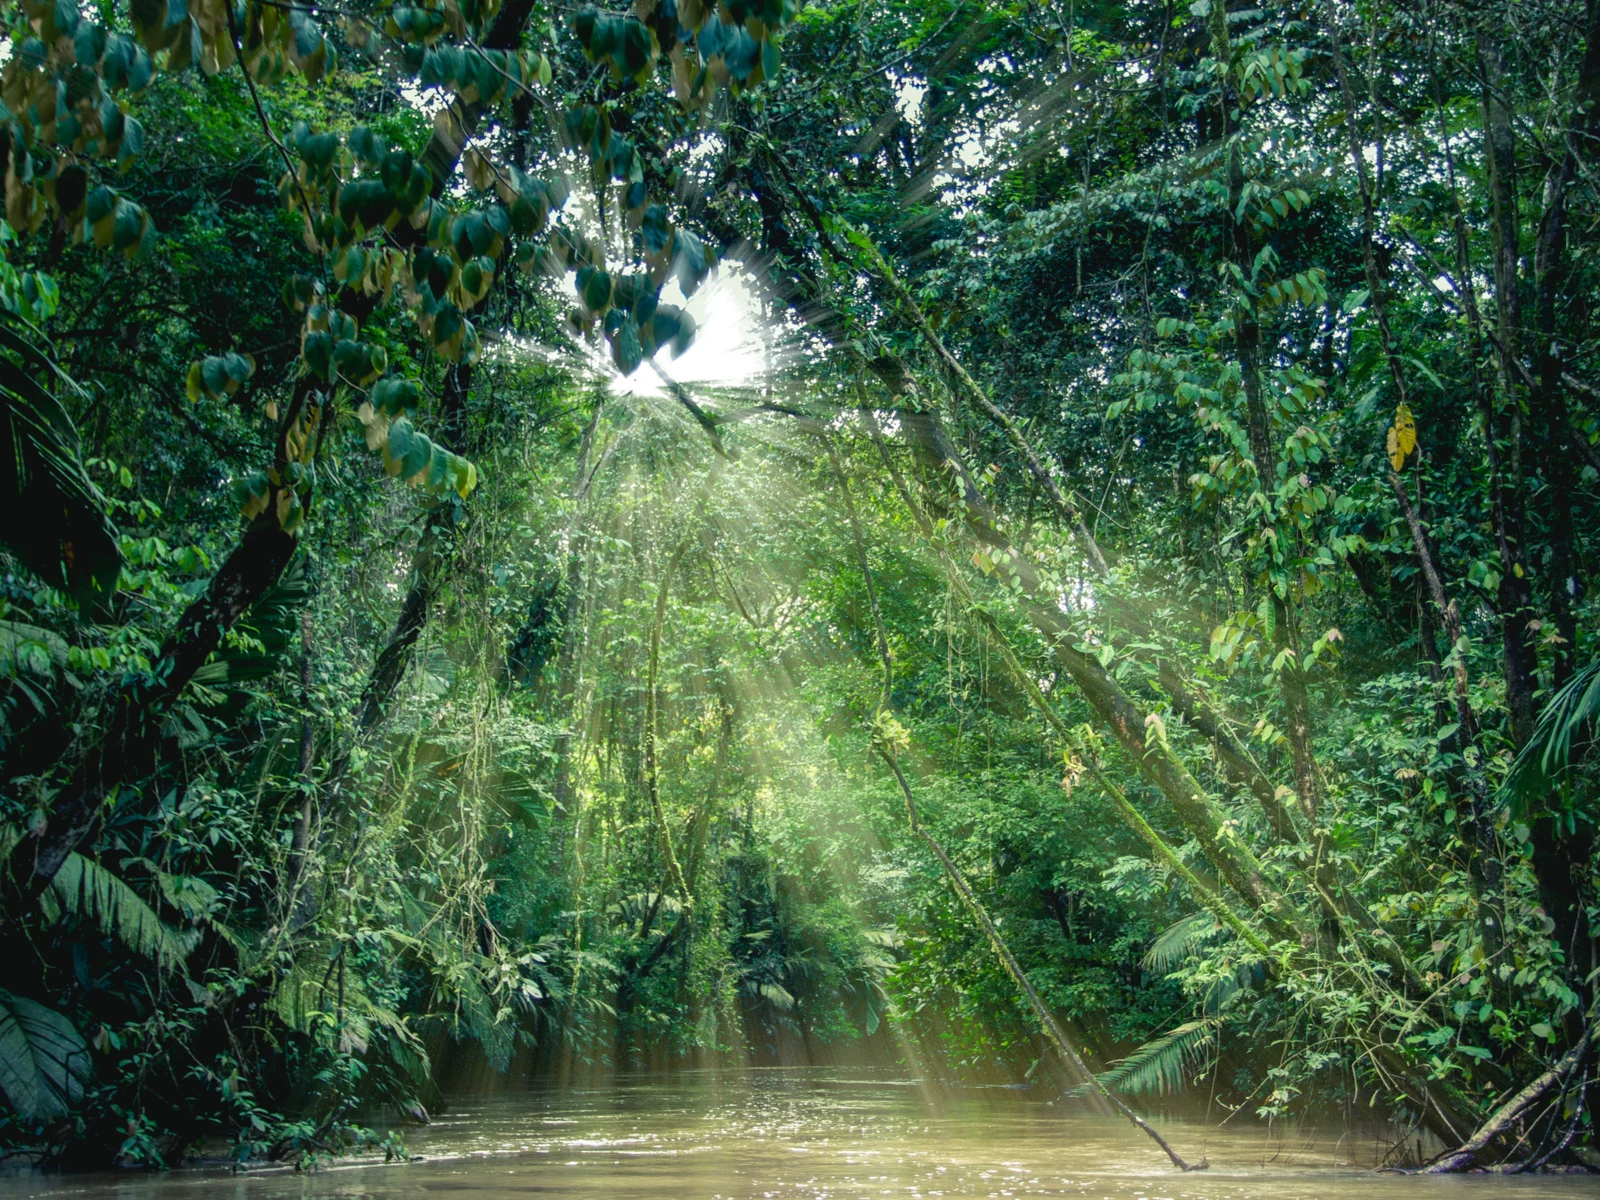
(128, 750)
(1521, 656)
(1547, 404)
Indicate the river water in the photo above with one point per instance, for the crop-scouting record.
(812, 1134)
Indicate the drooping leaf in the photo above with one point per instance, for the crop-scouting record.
(88, 890)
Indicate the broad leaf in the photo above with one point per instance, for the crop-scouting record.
(44, 1062)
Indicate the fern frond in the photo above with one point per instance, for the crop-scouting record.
(1568, 722)
(1164, 1064)
(89, 891)
(1178, 942)
(492, 1029)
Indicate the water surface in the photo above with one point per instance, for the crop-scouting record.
(787, 1134)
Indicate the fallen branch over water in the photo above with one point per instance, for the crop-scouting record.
(1467, 1153)
(1052, 1029)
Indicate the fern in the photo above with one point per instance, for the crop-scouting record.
(1164, 1065)
(87, 890)
(1178, 942)
(1569, 718)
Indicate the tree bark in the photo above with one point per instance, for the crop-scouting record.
(1555, 436)
(128, 750)
(1553, 439)
(1520, 651)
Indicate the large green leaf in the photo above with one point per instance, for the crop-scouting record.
(44, 1063)
(88, 890)
(52, 516)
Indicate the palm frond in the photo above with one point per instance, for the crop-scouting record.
(64, 537)
(89, 891)
(270, 627)
(297, 998)
(25, 647)
(492, 1028)
(1163, 1066)
(780, 997)
(1565, 731)
(1178, 941)
(189, 894)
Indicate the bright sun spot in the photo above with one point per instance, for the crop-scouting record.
(728, 348)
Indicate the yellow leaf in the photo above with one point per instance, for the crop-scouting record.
(480, 174)
(1405, 427)
(255, 505)
(1397, 456)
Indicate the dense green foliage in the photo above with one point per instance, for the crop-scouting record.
(1140, 603)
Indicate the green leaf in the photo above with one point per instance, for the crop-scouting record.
(594, 286)
(626, 349)
(395, 395)
(86, 889)
(44, 1061)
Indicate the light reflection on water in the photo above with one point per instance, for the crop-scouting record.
(818, 1134)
